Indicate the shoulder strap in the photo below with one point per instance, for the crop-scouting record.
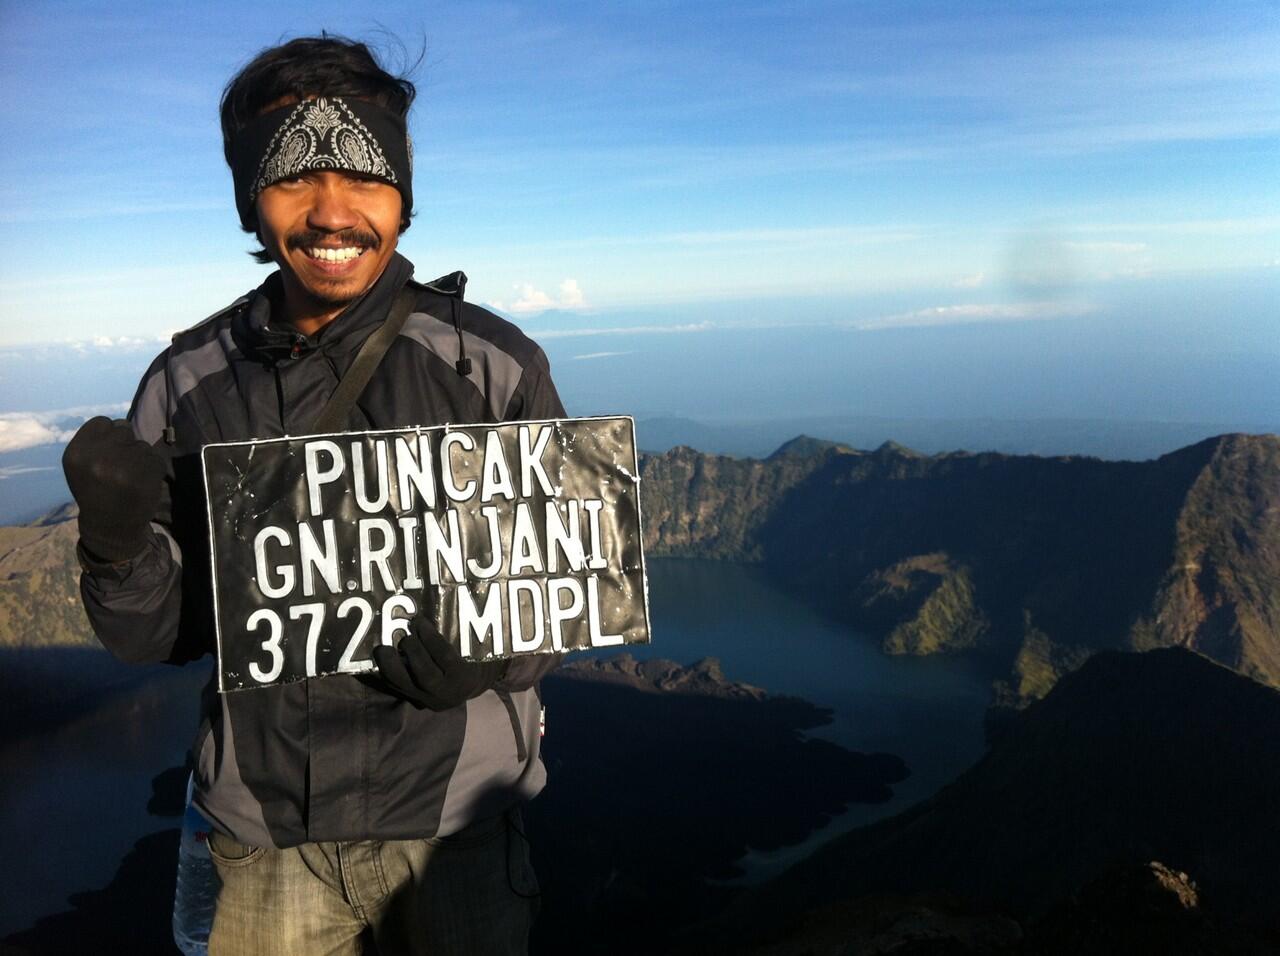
(333, 417)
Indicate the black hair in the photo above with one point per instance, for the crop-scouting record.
(325, 65)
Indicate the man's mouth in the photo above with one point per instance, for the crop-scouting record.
(334, 251)
(340, 254)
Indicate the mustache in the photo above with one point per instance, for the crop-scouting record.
(348, 237)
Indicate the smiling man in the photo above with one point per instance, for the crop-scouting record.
(325, 228)
(324, 196)
(345, 808)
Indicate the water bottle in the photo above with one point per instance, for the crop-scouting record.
(197, 888)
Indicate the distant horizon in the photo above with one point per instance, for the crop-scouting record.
(1119, 352)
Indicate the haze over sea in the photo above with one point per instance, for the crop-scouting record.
(1141, 375)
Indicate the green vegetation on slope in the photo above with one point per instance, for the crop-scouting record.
(927, 603)
(39, 587)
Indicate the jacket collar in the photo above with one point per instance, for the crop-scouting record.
(271, 339)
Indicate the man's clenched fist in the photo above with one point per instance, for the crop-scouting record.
(116, 479)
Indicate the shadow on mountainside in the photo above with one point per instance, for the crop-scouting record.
(1034, 535)
(1134, 758)
(45, 687)
(132, 913)
(661, 777)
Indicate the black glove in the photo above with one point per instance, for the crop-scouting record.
(116, 478)
(426, 670)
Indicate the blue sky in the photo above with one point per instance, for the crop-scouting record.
(621, 156)
(991, 183)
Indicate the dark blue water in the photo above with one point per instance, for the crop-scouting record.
(926, 710)
(73, 800)
(31, 483)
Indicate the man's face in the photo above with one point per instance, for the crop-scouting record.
(331, 233)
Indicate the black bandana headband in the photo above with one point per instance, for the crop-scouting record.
(327, 133)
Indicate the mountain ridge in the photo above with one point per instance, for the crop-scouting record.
(1030, 562)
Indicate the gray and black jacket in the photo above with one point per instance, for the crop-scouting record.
(335, 758)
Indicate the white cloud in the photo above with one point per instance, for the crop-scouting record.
(972, 313)
(571, 295)
(96, 343)
(9, 471)
(803, 236)
(531, 299)
(623, 330)
(597, 355)
(1247, 226)
(970, 282)
(1044, 259)
(1106, 259)
(121, 342)
(19, 430)
(1107, 246)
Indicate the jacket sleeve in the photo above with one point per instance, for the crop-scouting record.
(136, 607)
(534, 398)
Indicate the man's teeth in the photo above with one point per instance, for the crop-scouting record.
(335, 255)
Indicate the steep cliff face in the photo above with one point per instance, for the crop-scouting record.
(1221, 592)
(40, 586)
(697, 505)
(1033, 562)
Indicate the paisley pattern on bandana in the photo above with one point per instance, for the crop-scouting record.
(321, 134)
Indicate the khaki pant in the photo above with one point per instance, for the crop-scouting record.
(472, 892)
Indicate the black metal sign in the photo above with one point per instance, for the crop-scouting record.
(518, 538)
